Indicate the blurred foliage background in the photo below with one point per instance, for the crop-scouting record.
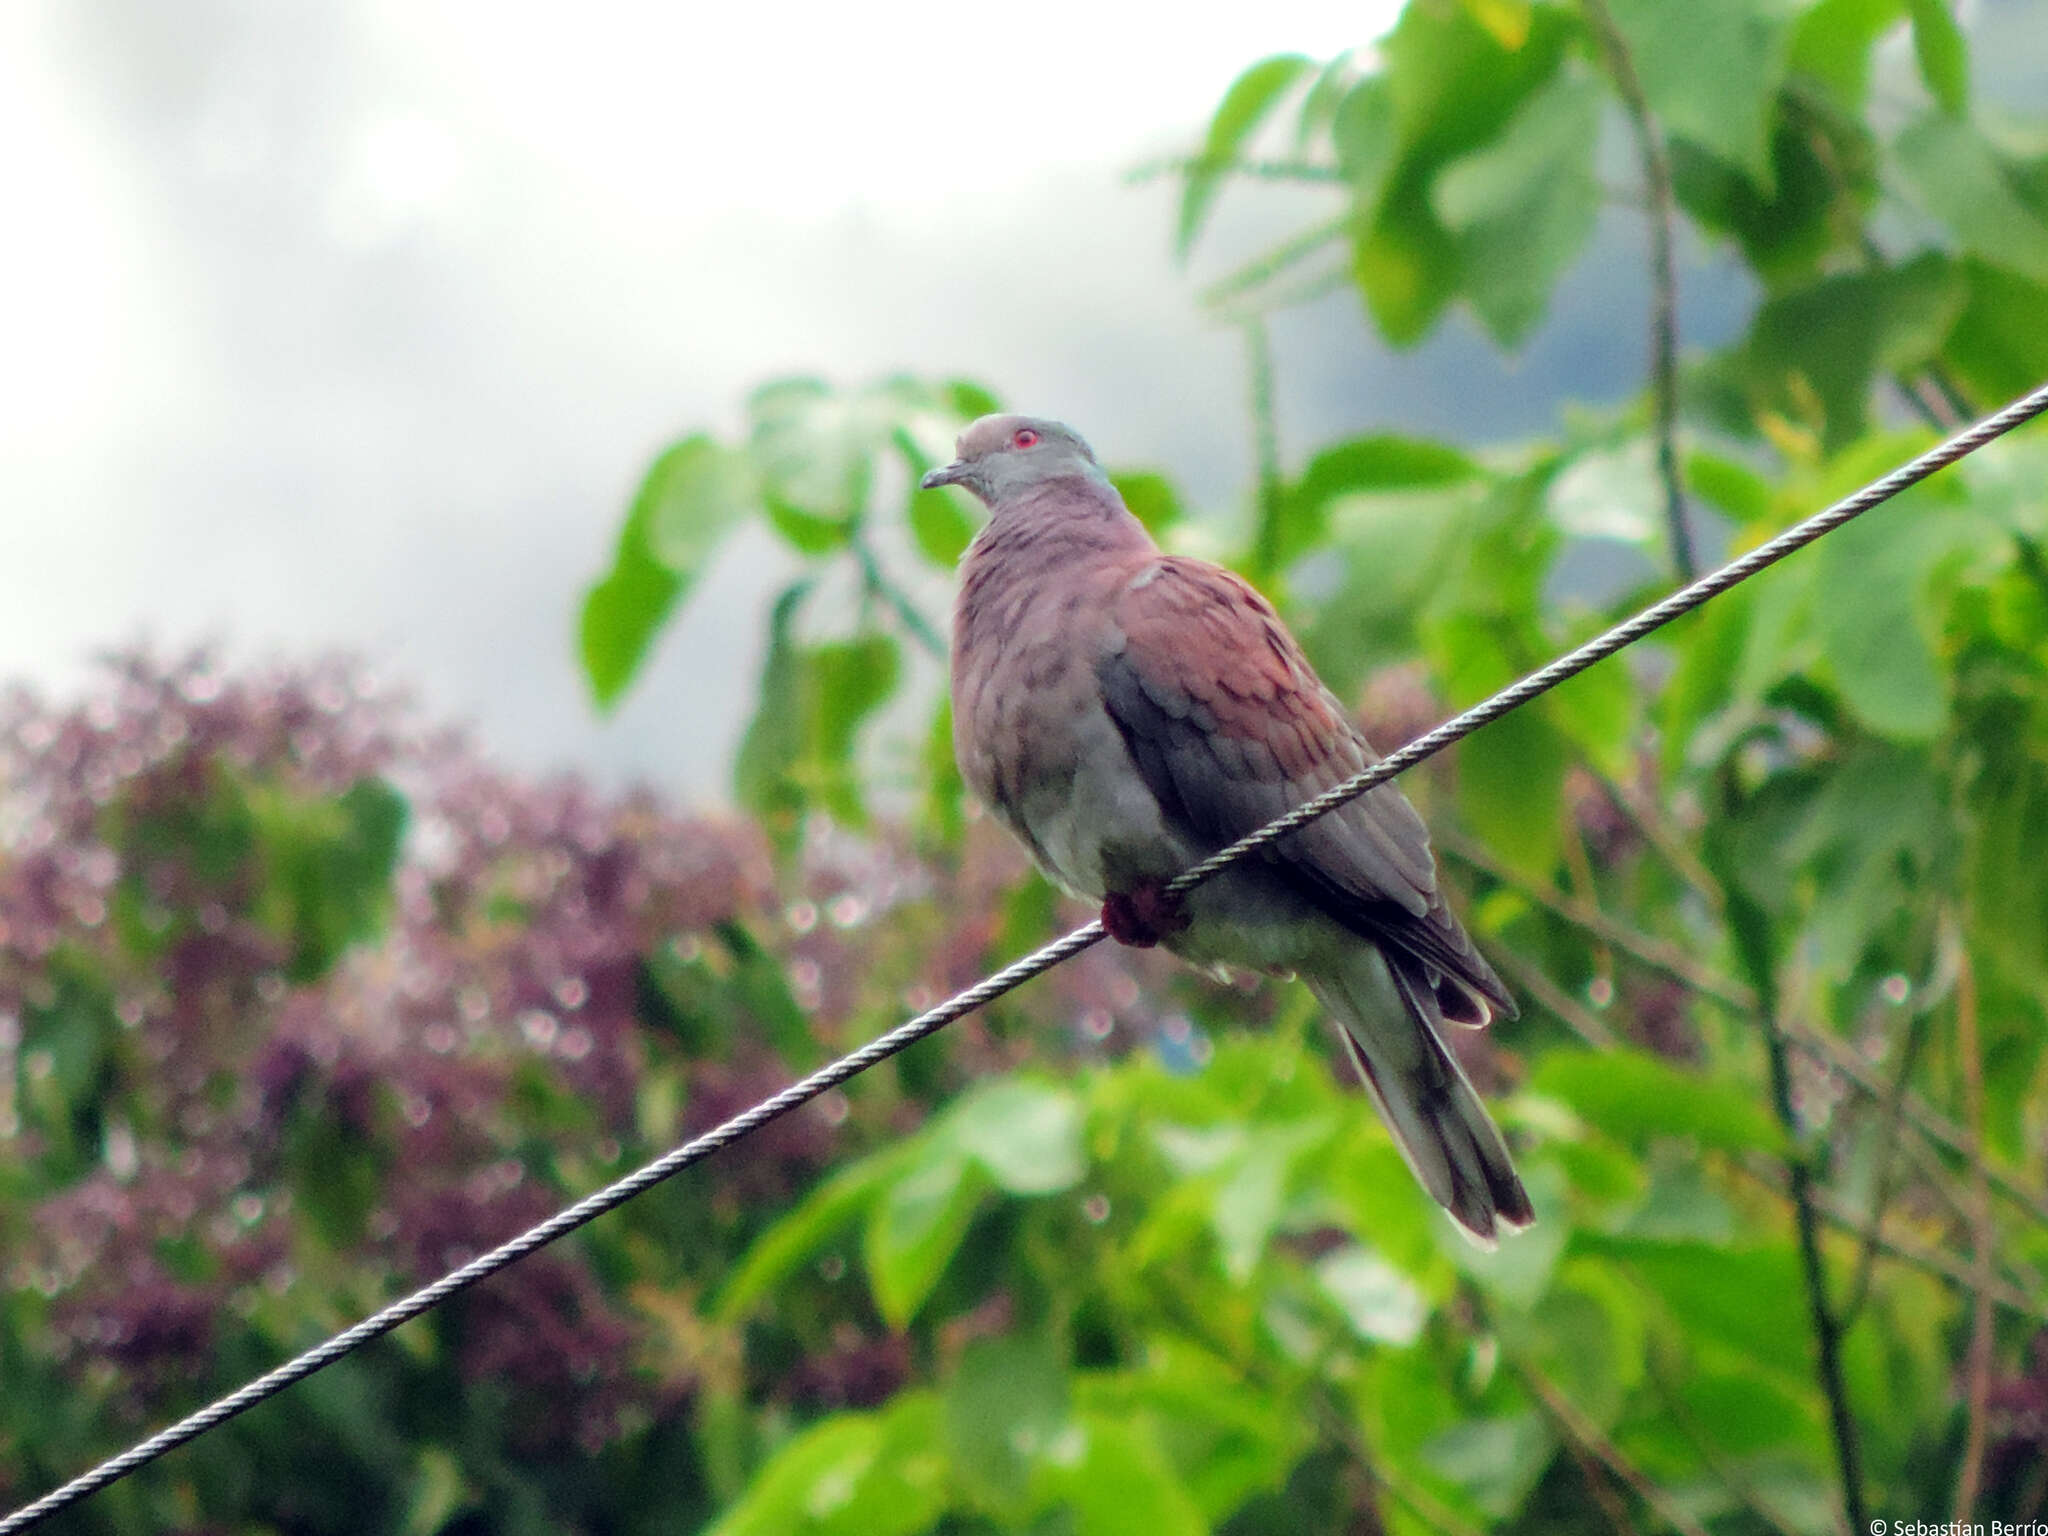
(302, 1003)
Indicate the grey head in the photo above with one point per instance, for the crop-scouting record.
(1001, 457)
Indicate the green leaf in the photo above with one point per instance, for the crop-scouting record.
(938, 522)
(942, 814)
(774, 739)
(327, 868)
(2009, 827)
(1943, 55)
(1364, 139)
(1597, 713)
(621, 615)
(1384, 463)
(1712, 72)
(691, 497)
(1522, 208)
(1319, 108)
(1380, 1302)
(1742, 1413)
(1587, 1336)
(1385, 1207)
(1999, 346)
(1225, 1438)
(1869, 840)
(1879, 633)
(969, 400)
(1511, 791)
(1392, 548)
(1151, 497)
(848, 681)
(1253, 1192)
(805, 532)
(1832, 43)
(824, 1215)
(1005, 1409)
(1244, 106)
(1118, 1482)
(1750, 1299)
(1830, 341)
(812, 450)
(850, 1475)
(1405, 263)
(1360, 466)
(1456, 84)
(1955, 176)
(1495, 1460)
(1027, 1135)
(1451, 87)
(1823, 174)
(941, 529)
(1637, 1098)
(1735, 488)
(1507, 21)
(918, 1224)
(799, 750)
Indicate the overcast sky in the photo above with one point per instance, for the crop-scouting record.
(351, 326)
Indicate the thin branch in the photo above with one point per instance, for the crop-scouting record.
(1827, 1333)
(1585, 1023)
(877, 585)
(1658, 954)
(1422, 1504)
(1891, 1106)
(1922, 400)
(2027, 1280)
(1580, 866)
(1266, 445)
(1924, 1117)
(1900, 1249)
(1649, 819)
(1601, 1489)
(1663, 278)
(1257, 170)
(1944, 381)
(1342, 1429)
(1978, 1368)
(1289, 253)
(1730, 1475)
(1867, 1229)
(1303, 290)
(1584, 1432)
(1682, 967)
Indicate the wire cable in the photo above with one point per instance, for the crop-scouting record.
(1010, 977)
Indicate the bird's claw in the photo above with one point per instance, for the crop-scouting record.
(1141, 917)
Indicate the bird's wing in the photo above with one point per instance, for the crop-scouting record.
(1229, 727)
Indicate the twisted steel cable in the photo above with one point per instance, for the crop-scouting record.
(1010, 977)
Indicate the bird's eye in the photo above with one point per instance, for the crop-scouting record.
(1025, 438)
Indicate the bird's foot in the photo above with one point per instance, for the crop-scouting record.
(1141, 917)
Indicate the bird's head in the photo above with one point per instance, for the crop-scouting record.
(1001, 457)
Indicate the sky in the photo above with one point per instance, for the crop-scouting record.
(351, 327)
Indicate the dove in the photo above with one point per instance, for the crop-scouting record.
(1125, 712)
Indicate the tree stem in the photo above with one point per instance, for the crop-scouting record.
(1663, 280)
(1827, 1331)
(1266, 444)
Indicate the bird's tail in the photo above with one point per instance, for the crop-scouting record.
(1390, 1025)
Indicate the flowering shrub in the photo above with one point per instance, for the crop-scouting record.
(302, 1006)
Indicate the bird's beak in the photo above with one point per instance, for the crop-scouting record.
(945, 474)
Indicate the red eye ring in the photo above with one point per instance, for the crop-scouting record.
(1025, 438)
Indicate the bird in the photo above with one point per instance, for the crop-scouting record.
(1126, 712)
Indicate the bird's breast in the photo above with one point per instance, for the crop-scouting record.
(1036, 745)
